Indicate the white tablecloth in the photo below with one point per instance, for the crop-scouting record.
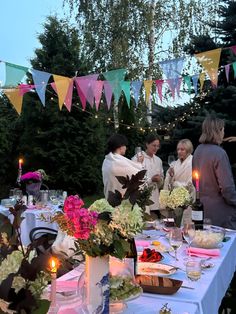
(32, 220)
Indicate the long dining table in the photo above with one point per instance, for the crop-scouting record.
(201, 297)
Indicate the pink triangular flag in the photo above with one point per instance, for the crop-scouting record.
(233, 48)
(159, 84)
(97, 92)
(108, 93)
(227, 67)
(25, 88)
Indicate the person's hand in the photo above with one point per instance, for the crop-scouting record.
(140, 158)
(156, 178)
(230, 139)
(171, 171)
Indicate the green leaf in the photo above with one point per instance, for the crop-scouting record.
(42, 307)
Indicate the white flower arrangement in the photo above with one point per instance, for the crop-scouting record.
(178, 197)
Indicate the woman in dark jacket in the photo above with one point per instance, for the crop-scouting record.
(217, 188)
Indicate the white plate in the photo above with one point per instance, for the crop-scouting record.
(156, 269)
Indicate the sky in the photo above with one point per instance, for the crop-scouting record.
(21, 23)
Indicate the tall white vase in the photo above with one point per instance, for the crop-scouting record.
(97, 284)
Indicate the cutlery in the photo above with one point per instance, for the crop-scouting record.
(186, 287)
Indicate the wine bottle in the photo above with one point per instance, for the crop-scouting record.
(198, 212)
(132, 257)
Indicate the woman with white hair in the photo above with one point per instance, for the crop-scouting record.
(180, 172)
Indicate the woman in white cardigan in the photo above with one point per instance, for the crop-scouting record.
(153, 165)
(115, 164)
(180, 172)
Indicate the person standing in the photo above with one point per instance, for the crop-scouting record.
(217, 188)
(154, 174)
(180, 171)
(116, 164)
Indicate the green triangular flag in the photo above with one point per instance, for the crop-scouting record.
(234, 68)
(187, 80)
(125, 85)
(14, 74)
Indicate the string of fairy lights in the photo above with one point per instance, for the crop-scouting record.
(166, 127)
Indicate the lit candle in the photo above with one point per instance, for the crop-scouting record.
(53, 269)
(20, 163)
(196, 177)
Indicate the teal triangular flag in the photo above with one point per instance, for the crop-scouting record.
(14, 74)
(187, 80)
(115, 75)
(125, 85)
(234, 68)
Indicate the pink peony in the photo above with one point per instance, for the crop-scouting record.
(82, 219)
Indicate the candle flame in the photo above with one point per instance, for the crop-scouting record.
(53, 262)
(20, 161)
(196, 175)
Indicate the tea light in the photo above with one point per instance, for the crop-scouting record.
(53, 262)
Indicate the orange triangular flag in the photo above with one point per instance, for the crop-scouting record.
(15, 98)
(147, 86)
(210, 61)
(62, 84)
(202, 80)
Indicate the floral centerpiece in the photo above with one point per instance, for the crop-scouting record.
(175, 201)
(33, 181)
(23, 274)
(107, 227)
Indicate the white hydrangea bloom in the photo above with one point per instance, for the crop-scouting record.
(11, 264)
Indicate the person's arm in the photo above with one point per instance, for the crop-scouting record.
(225, 179)
(230, 139)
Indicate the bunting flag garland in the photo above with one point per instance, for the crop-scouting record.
(159, 84)
(15, 98)
(108, 93)
(148, 87)
(62, 84)
(210, 61)
(90, 89)
(135, 90)
(125, 86)
(14, 74)
(40, 80)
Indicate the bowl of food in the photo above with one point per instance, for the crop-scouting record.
(209, 238)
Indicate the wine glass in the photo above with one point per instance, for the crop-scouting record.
(175, 239)
(189, 234)
(171, 159)
(139, 155)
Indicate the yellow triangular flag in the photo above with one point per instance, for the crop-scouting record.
(148, 87)
(202, 80)
(15, 98)
(62, 84)
(210, 61)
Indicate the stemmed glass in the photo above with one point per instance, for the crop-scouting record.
(175, 239)
(189, 234)
(171, 159)
(139, 155)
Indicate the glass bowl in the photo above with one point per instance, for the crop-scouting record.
(209, 238)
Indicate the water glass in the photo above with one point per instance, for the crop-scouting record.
(175, 239)
(193, 269)
(207, 223)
